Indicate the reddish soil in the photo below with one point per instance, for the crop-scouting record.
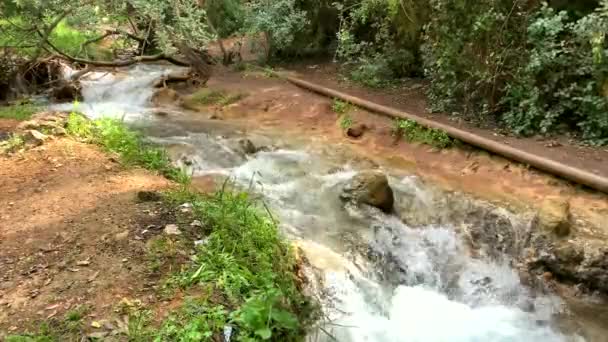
(411, 98)
(71, 234)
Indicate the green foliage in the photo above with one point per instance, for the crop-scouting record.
(278, 20)
(262, 316)
(413, 131)
(175, 21)
(69, 39)
(247, 260)
(470, 50)
(380, 39)
(18, 111)
(564, 82)
(341, 107)
(227, 16)
(114, 136)
(196, 321)
(346, 121)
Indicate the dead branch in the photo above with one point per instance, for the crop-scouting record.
(121, 63)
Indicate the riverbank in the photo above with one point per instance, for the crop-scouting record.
(97, 243)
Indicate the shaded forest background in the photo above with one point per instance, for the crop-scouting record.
(531, 66)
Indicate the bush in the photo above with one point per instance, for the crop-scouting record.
(564, 81)
(412, 131)
(381, 39)
(470, 51)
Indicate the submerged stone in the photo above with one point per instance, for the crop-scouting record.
(371, 188)
(554, 216)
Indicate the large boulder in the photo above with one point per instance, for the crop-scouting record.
(554, 216)
(369, 187)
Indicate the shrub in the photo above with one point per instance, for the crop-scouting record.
(380, 39)
(412, 131)
(564, 80)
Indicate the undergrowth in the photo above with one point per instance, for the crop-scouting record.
(114, 136)
(246, 270)
(341, 107)
(412, 131)
(18, 112)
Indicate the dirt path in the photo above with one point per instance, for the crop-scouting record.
(411, 98)
(72, 235)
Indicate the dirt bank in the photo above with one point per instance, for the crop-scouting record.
(72, 235)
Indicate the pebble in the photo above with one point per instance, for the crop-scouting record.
(172, 229)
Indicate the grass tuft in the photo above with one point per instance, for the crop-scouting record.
(249, 265)
(341, 107)
(114, 136)
(19, 112)
(413, 131)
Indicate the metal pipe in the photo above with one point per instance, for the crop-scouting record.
(568, 172)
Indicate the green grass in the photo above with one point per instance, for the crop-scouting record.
(18, 112)
(114, 136)
(412, 131)
(346, 121)
(245, 266)
(56, 330)
(208, 97)
(341, 107)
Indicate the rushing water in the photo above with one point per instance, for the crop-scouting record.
(381, 280)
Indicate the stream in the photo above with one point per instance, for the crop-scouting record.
(381, 280)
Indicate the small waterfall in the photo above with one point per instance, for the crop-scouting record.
(120, 94)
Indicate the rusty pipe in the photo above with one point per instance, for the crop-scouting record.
(577, 175)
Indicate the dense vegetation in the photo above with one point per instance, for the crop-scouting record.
(529, 66)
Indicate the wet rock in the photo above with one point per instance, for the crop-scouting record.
(67, 91)
(247, 146)
(149, 196)
(369, 187)
(356, 131)
(554, 216)
(165, 96)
